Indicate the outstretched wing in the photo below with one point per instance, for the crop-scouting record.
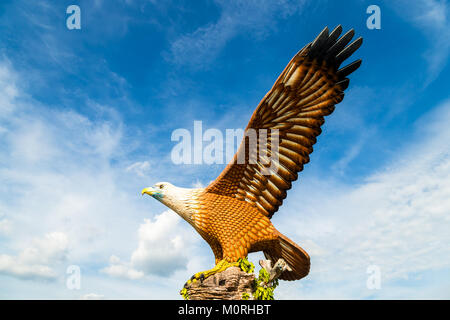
(305, 92)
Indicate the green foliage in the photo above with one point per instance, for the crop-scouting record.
(184, 294)
(264, 289)
(264, 275)
(246, 265)
(262, 293)
(245, 296)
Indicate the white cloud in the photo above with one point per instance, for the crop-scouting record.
(120, 269)
(5, 227)
(66, 171)
(8, 89)
(198, 184)
(92, 296)
(163, 248)
(432, 18)
(36, 261)
(201, 47)
(140, 168)
(57, 165)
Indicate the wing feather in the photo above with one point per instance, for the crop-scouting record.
(293, 110)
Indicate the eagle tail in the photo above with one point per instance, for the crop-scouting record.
(295, 257)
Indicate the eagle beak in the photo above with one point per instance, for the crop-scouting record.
(149, 191)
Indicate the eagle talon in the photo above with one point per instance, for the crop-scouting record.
(202, 277)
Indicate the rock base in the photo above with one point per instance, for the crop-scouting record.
(230, 284)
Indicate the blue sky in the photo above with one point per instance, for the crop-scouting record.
(86, 118)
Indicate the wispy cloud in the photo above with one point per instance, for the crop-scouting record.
(9, 91)
(200, 48)
(140, 168)
(397, 219)
(432, 18)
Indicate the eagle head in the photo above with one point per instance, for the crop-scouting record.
(180, 200)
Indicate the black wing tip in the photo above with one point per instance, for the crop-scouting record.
(348, 69)
(343, 84)
(348, 51)
(334, 35)
(332, 48)
(338, 28)
(320, 41)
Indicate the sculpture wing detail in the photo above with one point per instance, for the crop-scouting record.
(292, 113)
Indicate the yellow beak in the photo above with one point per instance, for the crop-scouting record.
(149, 191)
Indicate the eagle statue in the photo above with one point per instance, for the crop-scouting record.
(233, 212)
